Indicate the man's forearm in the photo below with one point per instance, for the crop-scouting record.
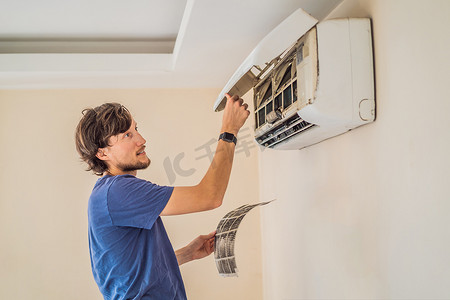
(183, 256)
(216, 179)
(200, 247)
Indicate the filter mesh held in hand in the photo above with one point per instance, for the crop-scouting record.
(225, 238)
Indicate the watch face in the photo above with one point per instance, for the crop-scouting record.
(228, 137)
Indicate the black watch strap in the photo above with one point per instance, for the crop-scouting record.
(228, 137)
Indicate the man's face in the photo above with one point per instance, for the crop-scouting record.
(126, 152)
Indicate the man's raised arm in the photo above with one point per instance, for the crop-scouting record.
(209, 193)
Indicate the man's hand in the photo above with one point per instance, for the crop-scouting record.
(234, 115)
(200, 247)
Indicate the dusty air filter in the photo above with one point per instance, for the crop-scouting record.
(225, 236)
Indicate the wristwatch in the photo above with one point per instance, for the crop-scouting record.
(228, 137)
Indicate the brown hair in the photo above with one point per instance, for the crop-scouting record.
(94, 130)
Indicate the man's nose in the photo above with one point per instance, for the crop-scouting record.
(140, 140)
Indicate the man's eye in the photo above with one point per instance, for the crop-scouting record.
(127, 135)
(136, 128)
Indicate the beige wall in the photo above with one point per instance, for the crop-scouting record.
(44, 190)
(366, 214)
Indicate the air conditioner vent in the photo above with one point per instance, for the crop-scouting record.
(287, 129)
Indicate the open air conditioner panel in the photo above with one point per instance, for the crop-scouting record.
(319, 85)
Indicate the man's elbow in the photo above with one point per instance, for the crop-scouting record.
(213, 200)
(212, 197)
(217, 202)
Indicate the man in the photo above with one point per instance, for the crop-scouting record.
(131, 255)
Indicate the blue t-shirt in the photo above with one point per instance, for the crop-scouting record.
(131, 255)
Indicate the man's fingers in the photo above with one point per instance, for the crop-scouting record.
(208, 236)
(229, 97)
(234, 97)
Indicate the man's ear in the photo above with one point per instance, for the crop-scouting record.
(102, 154)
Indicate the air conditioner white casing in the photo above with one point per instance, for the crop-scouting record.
(322, 74)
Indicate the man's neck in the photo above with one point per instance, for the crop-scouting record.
(115, 172)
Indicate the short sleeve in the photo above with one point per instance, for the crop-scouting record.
(135, 202)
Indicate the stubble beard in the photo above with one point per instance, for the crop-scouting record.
(135, 167)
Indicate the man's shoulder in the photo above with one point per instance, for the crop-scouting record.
(123, 187)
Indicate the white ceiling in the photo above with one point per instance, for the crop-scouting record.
(135, 44)
(95, 18)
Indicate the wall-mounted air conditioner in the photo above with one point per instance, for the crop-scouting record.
(310, 81)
